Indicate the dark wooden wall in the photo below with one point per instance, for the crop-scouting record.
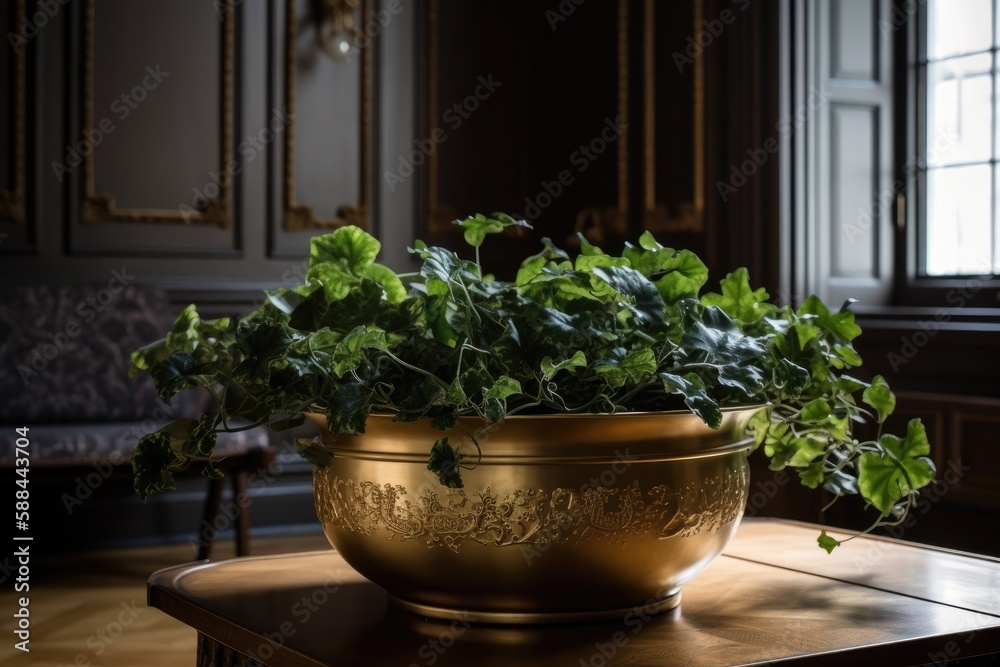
(212, 185)
(199, 144)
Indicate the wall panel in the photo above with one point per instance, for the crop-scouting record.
(854, 46)
(324, 164)
(150, 152)
(854, 141)
(18, 183)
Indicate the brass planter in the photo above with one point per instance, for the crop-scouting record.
(565, 517)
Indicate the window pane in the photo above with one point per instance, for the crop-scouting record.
(955, 27)
(996, 231)
(959, 110)
(958, 238)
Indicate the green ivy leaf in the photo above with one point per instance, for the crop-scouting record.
(334, 280)
(738, 299)
(696, 396)
(591, 256)
(177, 372)
(887, 477)
(677, 274)
(550, 367)
(349, 247)
(444, 462)
(503, 387)
(848, 354)
(639, 363)
(880, 397)
(840, 324)
(348, 409)
(759, 425)
(284, 299)
(389, 281)
(201, 442)
(549, 256)
(642, 297)
(153, 463)
(826, 542)
(350, 352)
(477, 227)
(817, 410)
(312, 450)
(805, 451)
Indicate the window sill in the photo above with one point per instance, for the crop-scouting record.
(954, 318)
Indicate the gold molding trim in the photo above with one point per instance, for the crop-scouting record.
(101, 207)
(692, 214)
(12, 201)
(439, 217)
(296, 215)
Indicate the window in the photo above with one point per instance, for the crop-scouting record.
(958, 173)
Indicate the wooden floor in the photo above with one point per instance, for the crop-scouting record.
(90, 608)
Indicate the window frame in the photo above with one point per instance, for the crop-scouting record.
(976, 296)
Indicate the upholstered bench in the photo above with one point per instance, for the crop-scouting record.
(64, 360)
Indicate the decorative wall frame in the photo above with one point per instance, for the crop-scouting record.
(101, 207)
(439, 217)
(12, 200)
(297, 215)
(613, 219)
(691, 216)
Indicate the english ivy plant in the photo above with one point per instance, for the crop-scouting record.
(599, 333)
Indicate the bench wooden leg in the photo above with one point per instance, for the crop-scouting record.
(213, 504)
(240, 478)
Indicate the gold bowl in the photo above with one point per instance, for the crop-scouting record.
(562, 517)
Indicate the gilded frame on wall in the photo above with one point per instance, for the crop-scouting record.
(691, 214)
(297, 215)
(614, 218)
(12, 200)
(101, 207)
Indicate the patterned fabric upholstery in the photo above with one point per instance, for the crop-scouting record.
(64, 360)
(64, 352)
(64, 445)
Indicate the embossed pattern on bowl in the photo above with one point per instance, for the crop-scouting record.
(562, 518)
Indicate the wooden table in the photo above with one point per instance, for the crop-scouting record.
(773, 597)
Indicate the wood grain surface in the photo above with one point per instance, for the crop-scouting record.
(773, 597)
